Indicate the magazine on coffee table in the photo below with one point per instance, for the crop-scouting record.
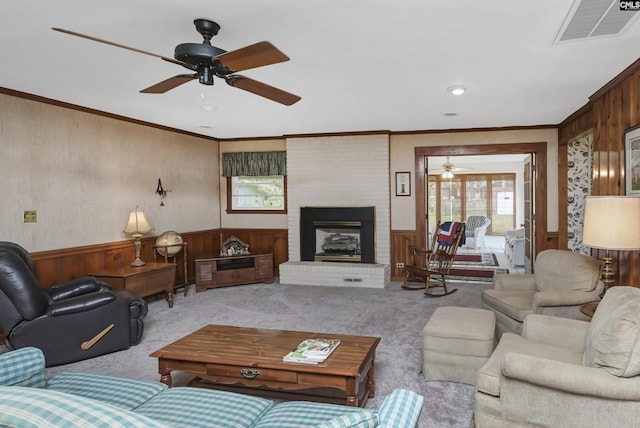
(312, 351)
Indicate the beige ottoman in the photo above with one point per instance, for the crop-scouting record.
(456, 342)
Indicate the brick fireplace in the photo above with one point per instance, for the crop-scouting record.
(318, 178)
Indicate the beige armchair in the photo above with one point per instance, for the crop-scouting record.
(562, 281)
(566, 373)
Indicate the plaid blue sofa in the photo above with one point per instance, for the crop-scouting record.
(87, 400)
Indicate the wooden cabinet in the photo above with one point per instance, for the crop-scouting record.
(233, 270)
(147, 280)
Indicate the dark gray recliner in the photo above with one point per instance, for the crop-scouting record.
(73, 321)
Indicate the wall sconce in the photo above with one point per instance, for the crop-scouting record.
(162, 192)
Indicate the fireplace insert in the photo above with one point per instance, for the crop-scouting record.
(337, 234)
(337, 241)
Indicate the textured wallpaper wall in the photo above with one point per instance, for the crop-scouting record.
(83, 173)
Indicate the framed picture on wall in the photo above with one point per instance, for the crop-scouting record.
(632, 160)
(403, 184)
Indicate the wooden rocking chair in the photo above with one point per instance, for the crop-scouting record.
(434, 264)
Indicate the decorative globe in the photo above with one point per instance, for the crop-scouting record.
(169, 238)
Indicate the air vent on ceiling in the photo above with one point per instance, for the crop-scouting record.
(594, 18)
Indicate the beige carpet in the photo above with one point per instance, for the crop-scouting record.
(394, 314)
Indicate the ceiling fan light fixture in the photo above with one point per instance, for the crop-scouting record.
(457, 90)
(204, 74)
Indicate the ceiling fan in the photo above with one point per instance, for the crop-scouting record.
(208, 61)
(448, 169)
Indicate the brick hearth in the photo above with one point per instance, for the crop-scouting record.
(335, 274)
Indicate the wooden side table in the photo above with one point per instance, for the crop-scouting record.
(589, 309)
(185, 284)
(147, 280)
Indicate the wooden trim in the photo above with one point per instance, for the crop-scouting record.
(82, 109)
(339, 134)
(460, 130)
(621, 77)
(85, 249)
(563, 197)
(552, 240)
(582, 112)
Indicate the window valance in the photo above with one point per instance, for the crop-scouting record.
(254, 164)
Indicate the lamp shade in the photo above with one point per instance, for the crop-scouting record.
(612, 222)
(138, 223)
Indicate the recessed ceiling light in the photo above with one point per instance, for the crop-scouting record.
(207, 107)
(457, 89)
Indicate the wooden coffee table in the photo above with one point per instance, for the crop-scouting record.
(249, 360)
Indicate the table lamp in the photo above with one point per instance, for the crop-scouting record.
(137, 226)
(611, 223)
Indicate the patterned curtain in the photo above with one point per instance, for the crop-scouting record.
(254, 164)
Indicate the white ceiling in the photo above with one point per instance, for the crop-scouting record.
(359, 65)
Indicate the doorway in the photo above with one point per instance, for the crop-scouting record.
(537, 209)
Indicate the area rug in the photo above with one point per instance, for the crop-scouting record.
(473, 275)
(483, 259)
(475, 267)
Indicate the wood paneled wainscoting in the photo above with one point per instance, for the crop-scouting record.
(400, 241)
(57, 266)
(262, 241)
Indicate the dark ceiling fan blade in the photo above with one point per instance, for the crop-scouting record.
(262, 89)
(252, 56)
(170, 83)
(118, 45)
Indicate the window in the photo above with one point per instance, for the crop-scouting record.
(456, 198)
(257, 194)
(256, 182)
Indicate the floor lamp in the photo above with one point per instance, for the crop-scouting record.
(137, 226)
(611, 223)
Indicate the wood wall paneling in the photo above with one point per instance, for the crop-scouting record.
(610, 111)
(274, 241)
(400, 242)
(57, 266)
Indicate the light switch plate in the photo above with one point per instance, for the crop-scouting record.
(30, 216)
